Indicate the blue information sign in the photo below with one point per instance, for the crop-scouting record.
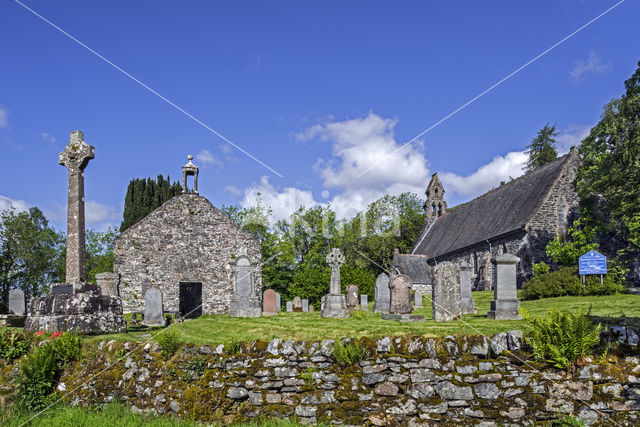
(593, 263)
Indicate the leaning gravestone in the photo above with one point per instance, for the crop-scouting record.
(17, 303)
(364, 302)
(297, 305)
(417, 299)
(400, 301)
(289, 306)
(153, 310)
(445, 301)
(467, 305)
(382, 294)
(269, 303)
(505, 288)
(305, 305)
(352, 297)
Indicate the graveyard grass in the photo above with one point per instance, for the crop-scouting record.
(217, 329)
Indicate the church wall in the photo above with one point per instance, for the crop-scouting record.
(186, 239)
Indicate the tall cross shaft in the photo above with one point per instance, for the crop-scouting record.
(75, 158)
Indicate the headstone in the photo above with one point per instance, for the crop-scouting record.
(311, 308)
(108, 283)
(289, 306)
(400, 287)
(335, 303)
(445, 301)
(382, 294)
(305, 305)
(269, 303)
(146, 285)
(505, 286)
(245, 301)
(297, 305)
(467, 305)
(75, 158)
(417, 299)
(364, 302)
(278, 302)
(153, 309)
(352, 297)
(17, 303)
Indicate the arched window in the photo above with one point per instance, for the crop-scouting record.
(433, 211)
(439, 209)
(504, 248)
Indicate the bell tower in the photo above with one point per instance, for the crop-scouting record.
(435, 205)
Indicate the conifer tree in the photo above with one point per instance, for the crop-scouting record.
(542, 149)
(145, 195)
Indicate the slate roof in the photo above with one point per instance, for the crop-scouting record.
(414, 266)
(502, 210)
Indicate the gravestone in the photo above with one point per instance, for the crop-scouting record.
(278, 302)
(352, 297)
(445, 301)
(305, 305)
(400, 302)
(311, 308)
(289, 307)
(417, 299)
(17, 303)
(364, 302)
(153, 309)
(382, 294)
(297, 305)
(269, 303)
(335, 303)
(108, 283)
(245, 301)
(505, 297)
(467, 305)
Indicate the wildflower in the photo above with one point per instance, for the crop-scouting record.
(55, 335)
(40, 333)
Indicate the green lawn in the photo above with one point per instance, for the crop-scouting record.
(216, 329)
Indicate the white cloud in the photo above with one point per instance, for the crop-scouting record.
(282, 201)
(18, 205)
(485, 178)
(592, 65)
(205, 158)
(4, 117)
(47, 137)
(572, 135)
(97, 214)
(233, 190)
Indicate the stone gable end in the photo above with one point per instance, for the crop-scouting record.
(187, 239)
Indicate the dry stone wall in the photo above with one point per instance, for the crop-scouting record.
(186, 239)
(400, 381)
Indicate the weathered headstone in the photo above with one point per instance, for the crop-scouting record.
(153, 309)
(269, 303)
(17, 303)
(467, 305)
(505, 287)
(108, 283)
(382, 294)
(289, 306)
(305, 305)
(445, 302)
(278, 302)
(352, 297)
(400, 287)
(417, 299)
(311, 308)
(297, 305)
(335, 303)
(245, 301)
(364, 302)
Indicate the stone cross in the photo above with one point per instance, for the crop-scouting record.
(75, 158)
(335, 259)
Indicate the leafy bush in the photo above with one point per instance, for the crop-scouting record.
(566, 250)
(68, 347)
(169, 340)
(561, 338)
(540, 269)
(566, 281)
(349, 353)
(14, 344)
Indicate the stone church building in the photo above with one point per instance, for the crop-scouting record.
(186, 248)
(519, 217)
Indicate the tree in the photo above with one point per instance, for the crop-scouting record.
(99, 252)
(542, 150)
(608, 181)
(145, 195)
(30, 253)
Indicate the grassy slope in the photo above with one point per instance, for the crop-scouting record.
(216, 329)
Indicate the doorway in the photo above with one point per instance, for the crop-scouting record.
(190, 299)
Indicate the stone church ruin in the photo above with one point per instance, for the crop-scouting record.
(187, 249)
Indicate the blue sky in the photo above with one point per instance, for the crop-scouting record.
(317, 91)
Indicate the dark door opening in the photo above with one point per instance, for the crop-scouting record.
(190, 299)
